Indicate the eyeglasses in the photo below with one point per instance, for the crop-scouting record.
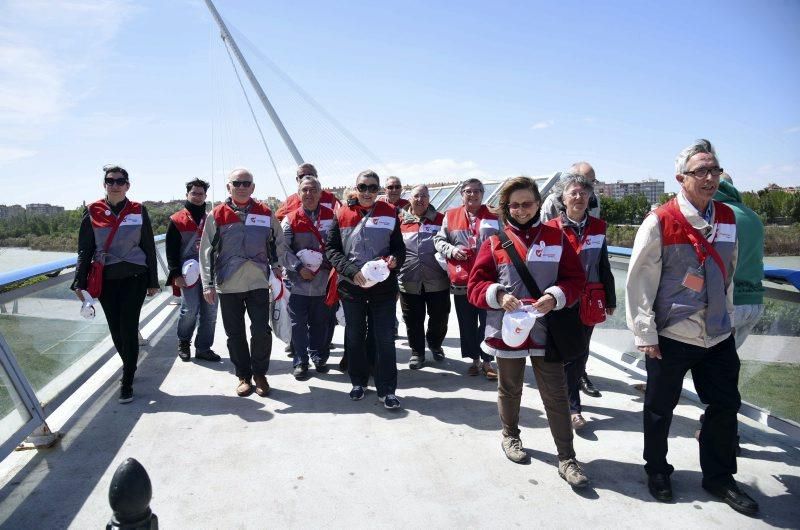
(371, 188)
(703, 172)
(471, 191)
(118, 181)
(394, 187)
(241, 183)
(521, 205)
(578, 193)
(420, 197)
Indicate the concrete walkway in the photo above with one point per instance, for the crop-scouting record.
(307, 456)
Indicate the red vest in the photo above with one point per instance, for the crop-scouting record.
(293, 202)
(125, 244)
(190, 233)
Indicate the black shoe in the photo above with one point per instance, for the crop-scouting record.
(730, 493)
(184, 351)
(125, 394)
(300, 372)
(588, 388)
(207, 355)
(438, 354)
(322, 367)
(416, 361)
(660, 487)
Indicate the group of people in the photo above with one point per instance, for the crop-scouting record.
(529, 279)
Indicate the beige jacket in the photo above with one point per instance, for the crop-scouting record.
(644, 276)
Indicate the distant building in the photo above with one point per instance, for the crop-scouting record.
(43, 209)
(650, 188)
(10, 211)
(787, 189)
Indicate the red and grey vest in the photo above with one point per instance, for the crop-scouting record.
(372, 240)
(400, 204)
(125, 245)
(462, 233)
(241, 239)
(589, 246)
(421, 265)
(293, 202)
(308, 234)
(190, 233)
(542, 259)
(674, 302)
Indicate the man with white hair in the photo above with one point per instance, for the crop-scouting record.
(679, 301)
(237, 250)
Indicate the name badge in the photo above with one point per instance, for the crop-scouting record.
(132, 219)
(694, 279)
(488, 224)
(257, 220)
(385, 222)
(429, 229)
(726, 233)
(543, 252)
(595, 241)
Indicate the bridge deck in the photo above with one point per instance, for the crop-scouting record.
(308, 456)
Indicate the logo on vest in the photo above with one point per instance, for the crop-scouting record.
(543, 252)
(257, 220)
(383, 222)
(132, 219)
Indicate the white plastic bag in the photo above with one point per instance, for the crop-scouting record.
(279, 309)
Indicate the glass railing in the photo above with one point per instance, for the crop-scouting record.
(53, 346)
(770, 373)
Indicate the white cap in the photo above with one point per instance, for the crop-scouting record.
(441, 260)
(191, 272)
(311, 259)
(518, 324)
(375, 271)
(87, 308)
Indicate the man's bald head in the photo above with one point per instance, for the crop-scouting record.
(583, 168)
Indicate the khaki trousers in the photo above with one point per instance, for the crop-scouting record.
(553, 390)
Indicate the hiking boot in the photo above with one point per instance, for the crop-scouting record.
(357, 393)
(512, 447)
(416, 361)
(438, 354)
(208, 355)
(474, 369)
(183, 350)
(390, 401)
(570, 471)
(300, 372)
(125, 394)
(588, 388)
(489, 371)
(322, 367)
(578, 421)
(245, 387)
(262, 387)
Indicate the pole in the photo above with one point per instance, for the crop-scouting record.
(228, 39)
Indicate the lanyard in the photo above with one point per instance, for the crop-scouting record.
(577, 243)
(702, 247)
(315, 225)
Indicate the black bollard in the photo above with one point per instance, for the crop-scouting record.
(129, 496)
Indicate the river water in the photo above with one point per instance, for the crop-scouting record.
(13, 258)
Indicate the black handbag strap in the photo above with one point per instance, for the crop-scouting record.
(522, 270)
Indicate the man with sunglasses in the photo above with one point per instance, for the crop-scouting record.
(237, 251)
(679, 300)
(394, 188)
(293, 201)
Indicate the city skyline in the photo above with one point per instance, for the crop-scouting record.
(430, 91)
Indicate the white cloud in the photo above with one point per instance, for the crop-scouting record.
(542, 124)
(792, 130)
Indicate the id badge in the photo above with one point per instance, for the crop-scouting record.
(694, 279)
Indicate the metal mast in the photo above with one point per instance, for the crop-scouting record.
(228, 39)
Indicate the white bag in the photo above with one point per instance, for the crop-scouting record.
(279, 310)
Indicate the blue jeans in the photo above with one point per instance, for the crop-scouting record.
(382, 314)
(192, 305)
(310, 319)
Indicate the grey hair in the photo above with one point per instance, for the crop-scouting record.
(240, 170)
(468, 182)
(568, 179)
(309, 178)
(420, 187)
(699, 146)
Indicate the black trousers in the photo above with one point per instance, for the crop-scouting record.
(414, 306)
(715, 372)
(574, 370)
(255, 359)
(471, 328)
(122, 301)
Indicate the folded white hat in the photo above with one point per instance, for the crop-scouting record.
(518, 324)
(191, 272)
(441, 260)
(375, 271)
(87, 309)
(311, 259)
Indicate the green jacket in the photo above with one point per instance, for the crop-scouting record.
(750, 233)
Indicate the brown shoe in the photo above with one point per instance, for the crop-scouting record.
(474, 369)
(262, 387)
(489, 371)
(245, 388)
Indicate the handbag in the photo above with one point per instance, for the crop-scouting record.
(566, 334)
(593, 304)
(94, 280)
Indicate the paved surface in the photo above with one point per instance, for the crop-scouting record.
(307, 456)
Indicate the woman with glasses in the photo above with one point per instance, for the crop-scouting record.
(117, 232)
(366, 230)
(587, 236)
(496, 286)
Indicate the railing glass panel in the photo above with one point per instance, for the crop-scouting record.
(13, 413)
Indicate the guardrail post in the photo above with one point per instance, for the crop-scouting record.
(129, 496)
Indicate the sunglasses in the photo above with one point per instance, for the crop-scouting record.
(118, 181)
(241, 183)
(371, 188)
(521, 205)
(394, 187)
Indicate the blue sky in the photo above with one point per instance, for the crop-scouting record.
(435, 89)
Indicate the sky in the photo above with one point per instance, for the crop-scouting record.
(434, 90)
